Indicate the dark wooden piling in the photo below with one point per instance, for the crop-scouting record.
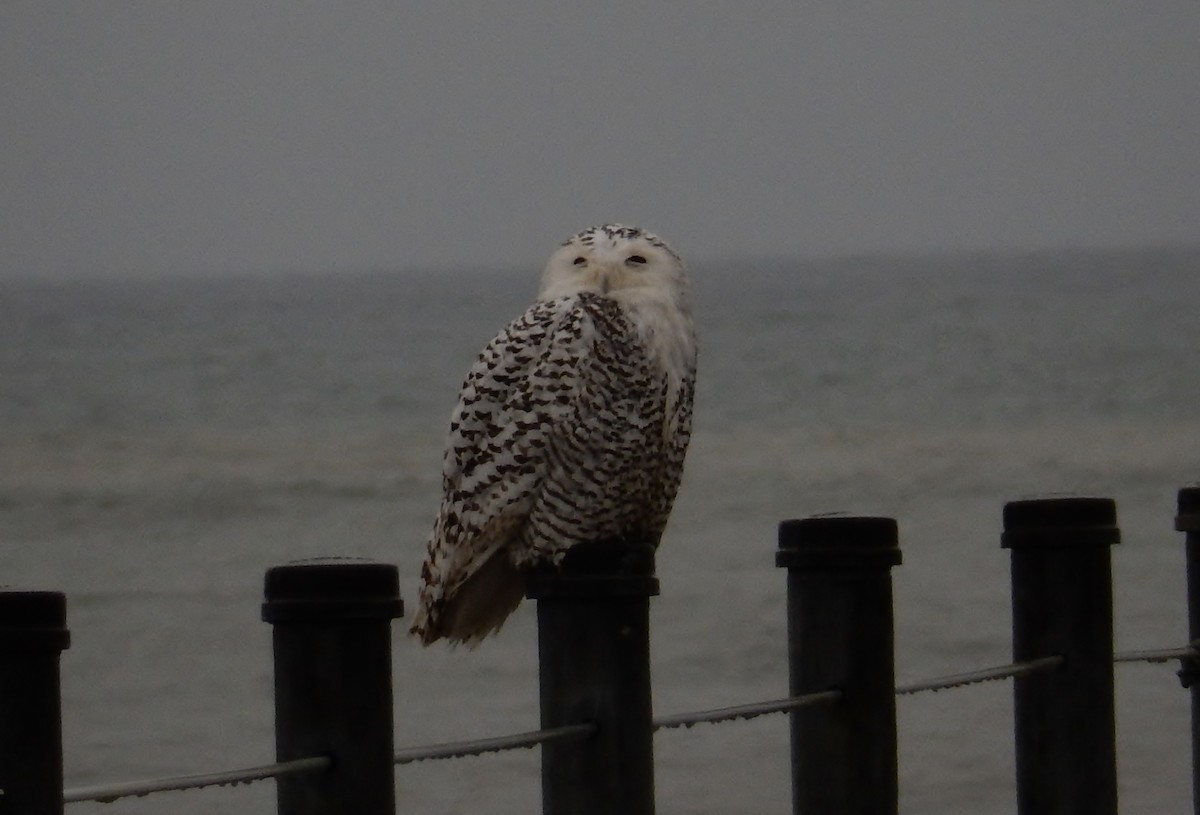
(33, 634)
(594, 662)
(840, 637)
(1187, 520)
(1062, 606)
(333, 683)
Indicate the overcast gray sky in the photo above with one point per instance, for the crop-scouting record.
(183, 137)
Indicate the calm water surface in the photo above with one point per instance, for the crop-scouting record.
(163, 443)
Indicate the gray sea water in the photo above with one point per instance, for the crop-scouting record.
(163, 443)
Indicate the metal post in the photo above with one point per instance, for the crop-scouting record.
(594, 662)
(1062, 606)
(333, 683)
(1188, 521)
(33, 634)
(840, 636)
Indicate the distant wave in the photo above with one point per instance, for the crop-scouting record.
(203, 499)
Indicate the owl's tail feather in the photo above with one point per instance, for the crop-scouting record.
(477, 608)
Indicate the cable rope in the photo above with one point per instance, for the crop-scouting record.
(751, 711)
(984, 675)
(108, 793)
(476, 747)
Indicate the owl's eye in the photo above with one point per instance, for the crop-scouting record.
(579, 261)
(635, 260)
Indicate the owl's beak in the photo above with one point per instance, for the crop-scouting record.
(604, 280)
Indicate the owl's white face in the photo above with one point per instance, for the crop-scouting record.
(622, 262)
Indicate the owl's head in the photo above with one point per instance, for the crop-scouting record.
(622, 262)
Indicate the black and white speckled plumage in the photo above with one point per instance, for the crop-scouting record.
(572, 426)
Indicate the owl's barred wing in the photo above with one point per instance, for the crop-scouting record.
(513, 401)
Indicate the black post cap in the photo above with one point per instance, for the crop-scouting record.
(33, 621)
(840, 542)
(1060, 521)
(332, 590)
(1188, 519)
(594, 570)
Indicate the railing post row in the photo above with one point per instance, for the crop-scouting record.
(333, 683)
(33, 634)
(1187, 520)
(1062, 606)
(594, 666)
(840, 636)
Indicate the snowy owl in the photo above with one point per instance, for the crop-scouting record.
(571, 427)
